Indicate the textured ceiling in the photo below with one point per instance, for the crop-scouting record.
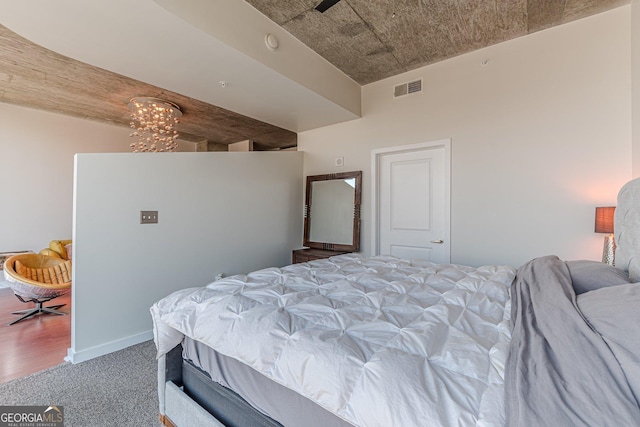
(35, 77)
(371, 40)
(367, 40)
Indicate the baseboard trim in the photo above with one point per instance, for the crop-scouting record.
(74, 356)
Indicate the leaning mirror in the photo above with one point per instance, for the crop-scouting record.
(332, 211)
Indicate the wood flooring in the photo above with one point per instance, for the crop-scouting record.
(33, 344)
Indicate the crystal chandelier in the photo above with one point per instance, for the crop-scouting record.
(154, 121)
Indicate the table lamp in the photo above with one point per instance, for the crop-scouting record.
(604, 224)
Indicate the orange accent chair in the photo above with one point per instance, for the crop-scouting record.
(38, 278)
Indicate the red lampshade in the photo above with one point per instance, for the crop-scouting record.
(604, 219)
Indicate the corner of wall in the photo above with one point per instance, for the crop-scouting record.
(635, 88)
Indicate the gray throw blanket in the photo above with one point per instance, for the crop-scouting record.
(560, 372)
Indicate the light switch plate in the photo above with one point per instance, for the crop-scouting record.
(148, 217)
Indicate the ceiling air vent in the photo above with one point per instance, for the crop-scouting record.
(407, 88)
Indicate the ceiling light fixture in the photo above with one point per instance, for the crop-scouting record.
(154, 122)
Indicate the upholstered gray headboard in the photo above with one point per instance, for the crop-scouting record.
(627, 229)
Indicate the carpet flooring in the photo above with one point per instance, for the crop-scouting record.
(115, 390)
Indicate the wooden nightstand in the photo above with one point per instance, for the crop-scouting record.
(308, 254)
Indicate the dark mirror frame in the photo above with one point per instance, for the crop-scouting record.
(331, 246)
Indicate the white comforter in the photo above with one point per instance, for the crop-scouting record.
(378, 341)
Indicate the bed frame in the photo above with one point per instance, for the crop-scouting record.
(189, 398)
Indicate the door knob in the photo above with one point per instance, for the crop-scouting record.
(437, 241)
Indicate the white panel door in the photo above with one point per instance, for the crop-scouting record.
(413, 203)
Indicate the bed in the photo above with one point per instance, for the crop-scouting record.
(382, 341)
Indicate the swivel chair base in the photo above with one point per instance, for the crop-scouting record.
(37, 310)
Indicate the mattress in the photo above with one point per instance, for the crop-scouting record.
(260, 392)
(375, 341)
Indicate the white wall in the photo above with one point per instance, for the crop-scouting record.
(218, 213)
(36, 170)
(540, 137)
(635, 73)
